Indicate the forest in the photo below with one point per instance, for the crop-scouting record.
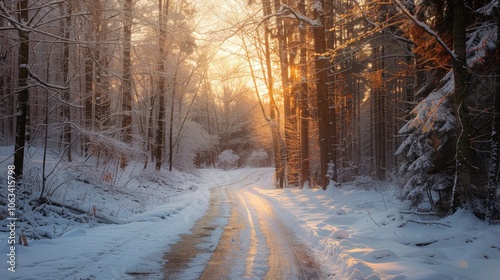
(326, 91)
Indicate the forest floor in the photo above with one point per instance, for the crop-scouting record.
(238, 225)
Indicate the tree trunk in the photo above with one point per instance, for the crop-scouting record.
(287, 154)
(329, 34)
(163, 12)
(149, 138)
(171, 124)
(379, 127)
(127, 78)
(101, 109)
(279, 174)
(89, 89)
(22, 108)
(322, 94)
(305, 172)
(464, 166)
(66, 93)
(495, 139)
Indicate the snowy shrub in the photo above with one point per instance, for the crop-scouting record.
(228, 159)
(193, 140)
(258, 158)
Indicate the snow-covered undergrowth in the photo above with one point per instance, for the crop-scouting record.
(81, 192)
(360, 234)
(89, 228)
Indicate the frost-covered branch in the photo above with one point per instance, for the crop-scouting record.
(286, 11)
(26, 27)
(426, 28)
(285, 8)
(45, 84)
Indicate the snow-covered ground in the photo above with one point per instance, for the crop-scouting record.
(354, 234)
(359, 234)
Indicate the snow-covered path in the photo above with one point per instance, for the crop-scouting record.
(287, 258)
(255, 243)
(351, 233)
(240, 236)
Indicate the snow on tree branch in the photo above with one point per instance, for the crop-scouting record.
(294, 14)
(488, 8)
(26, 27)
(45, 84)
(426, 28)
(286, 11)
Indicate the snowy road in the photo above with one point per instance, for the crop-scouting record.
(236, 225)
(254, 242)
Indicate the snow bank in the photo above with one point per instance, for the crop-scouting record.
(146, 211)
(358, 234)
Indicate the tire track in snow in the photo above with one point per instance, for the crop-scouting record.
(256, 243)
(288, 259)
(253, 241)
(188, 247)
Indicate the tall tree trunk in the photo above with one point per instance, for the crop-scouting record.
(22, 108)
(279, 174)
(127, 78)
(322, 94)
(287, 158)
(160, 134)
(101, 109)
(379, 127)
(89, 94)
(171, 124)
(149, 138)
(464, 166)
(66, 25)
(305, 172)
(495, 139)
(328, 28)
